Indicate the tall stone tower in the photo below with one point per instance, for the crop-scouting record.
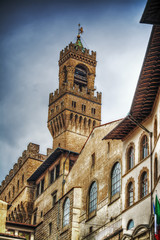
(73, 108)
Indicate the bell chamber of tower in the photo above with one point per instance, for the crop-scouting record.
(74, 109)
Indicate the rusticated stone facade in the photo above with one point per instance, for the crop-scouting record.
(51, 226)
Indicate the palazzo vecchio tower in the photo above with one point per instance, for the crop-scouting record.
(73, 108)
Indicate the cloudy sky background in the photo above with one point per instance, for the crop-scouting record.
(33, 32)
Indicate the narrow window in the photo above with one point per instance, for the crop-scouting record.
(37, 190)
(144, 185)
(93, 159)
(42, 185)
(130, 194)
(9, 195)
(54, 199)
(73, 104)
(93, 197)
(18, 185)
(71, 163)
(50, 228)
(144, 147)
(71, 116)
(89, 122)
(13, 191)
(109, 146)
(83, 107)
(57, 108)
(94, 123)
(35, 218)
(22, 179)
(66, 212)
(80, 119)
(62, 104)
(93, 111)
(41, 214)
(116, 179)
(155, 170)
(155, 131)
(57, 170)
(130, 158)
(52, 176)
(130, 224)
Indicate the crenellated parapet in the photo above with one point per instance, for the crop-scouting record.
(31, 152)
(75, 90)
(78, 53)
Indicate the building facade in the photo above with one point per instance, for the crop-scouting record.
(99, 181)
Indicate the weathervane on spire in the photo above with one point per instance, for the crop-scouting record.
(80, 30)
(78, 43)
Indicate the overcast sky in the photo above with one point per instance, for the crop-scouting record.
(33, 32)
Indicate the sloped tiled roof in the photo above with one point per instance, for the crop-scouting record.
(146, 91)
(151, 12)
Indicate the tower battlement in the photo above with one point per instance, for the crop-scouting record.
(79, 53)
(75, 90)
(74, 108)
(31, 152)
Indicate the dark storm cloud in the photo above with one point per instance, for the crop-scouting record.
(32, 33)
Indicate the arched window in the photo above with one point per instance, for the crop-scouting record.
(130, 224)
(144, 184)
(94, 123)
(130, 194)
(93, 197)
(144, 147)
(155, 170)
(66, 212)
(130, 158)
(80, 76)
(71, 116)
(116, 179)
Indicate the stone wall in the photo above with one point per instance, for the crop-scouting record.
(55, 217)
